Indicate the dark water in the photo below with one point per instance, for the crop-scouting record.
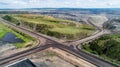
(11, 38)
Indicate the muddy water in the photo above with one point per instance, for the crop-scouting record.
(11, 38)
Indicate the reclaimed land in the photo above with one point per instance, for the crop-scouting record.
(59, 28)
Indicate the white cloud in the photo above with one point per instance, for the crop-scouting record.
(19, 2)
(62, 3)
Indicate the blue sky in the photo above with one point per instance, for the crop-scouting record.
(60, 3)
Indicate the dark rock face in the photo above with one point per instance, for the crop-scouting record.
(113, 25)
(11, 38)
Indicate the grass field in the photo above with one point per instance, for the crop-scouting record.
(4, 29)
(59, 26)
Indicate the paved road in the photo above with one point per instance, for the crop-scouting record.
(98, 33)
(92, 59)
(6, 60)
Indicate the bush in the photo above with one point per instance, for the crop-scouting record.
(108, 45)
(11, 19)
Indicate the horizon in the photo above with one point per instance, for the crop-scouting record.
(59, 8)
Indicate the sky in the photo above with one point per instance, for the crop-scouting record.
(59, 3)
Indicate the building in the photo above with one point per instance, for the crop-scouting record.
(22, 63)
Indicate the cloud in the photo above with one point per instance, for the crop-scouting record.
(2, 3)
(19, 2)
(60, 3)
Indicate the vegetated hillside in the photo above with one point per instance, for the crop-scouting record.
(51, 26)
(27, 39)
(107, 46)
(113, 25)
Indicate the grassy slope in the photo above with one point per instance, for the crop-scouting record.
(58, 27)
(4, 30)
(71, 30)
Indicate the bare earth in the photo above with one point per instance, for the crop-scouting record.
(71, 58)
(10, 52)
(54, 57)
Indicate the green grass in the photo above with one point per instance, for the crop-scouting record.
(70, 30)
(66, 30)
(54, 25)
(4, 29)
(51, 54)
(46, 21)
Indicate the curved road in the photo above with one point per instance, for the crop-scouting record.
(92, 59)
(99, 32)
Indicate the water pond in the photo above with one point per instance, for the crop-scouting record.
(11, 38)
